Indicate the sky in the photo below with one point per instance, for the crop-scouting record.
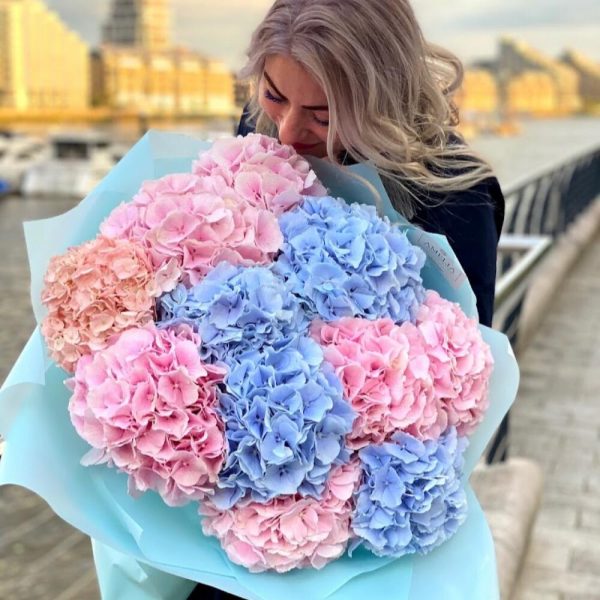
(470, 28)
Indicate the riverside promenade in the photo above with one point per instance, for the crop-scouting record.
(555, 421)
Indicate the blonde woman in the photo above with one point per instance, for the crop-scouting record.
(355, 80)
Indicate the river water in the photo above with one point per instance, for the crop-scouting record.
(540, 144)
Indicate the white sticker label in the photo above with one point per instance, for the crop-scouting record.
(448, 266)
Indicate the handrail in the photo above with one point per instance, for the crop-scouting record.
(549, 169)
(547, 201)
(512, 285)
(540, 206)
(535, 248)
(511, 290)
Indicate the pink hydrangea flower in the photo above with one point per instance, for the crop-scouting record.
(187, 230)
(93, 292)
(147, 404)
(384, 372)
(265, 173)
(461, 363)
(288, 532)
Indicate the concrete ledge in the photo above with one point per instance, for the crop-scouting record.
(553, 270)
(509, 494)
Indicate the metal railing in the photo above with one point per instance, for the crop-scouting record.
(539, 208)
(547, 202)
(525, 252)
(511, 289)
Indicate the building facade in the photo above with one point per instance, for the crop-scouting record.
(174, 82)
(478, 93)
(527, 76)
(532, 92)
(143, 24)
(137, 70)
(589, 78)
(44, 66)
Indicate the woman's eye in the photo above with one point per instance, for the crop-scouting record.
(321, 122)
(272, 98)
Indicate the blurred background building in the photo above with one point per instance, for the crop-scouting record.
(44, 66)
(536, 84)
(141, 23)
(137, 68)
(521, 82)
(589, 78)
(137, 72)
(172, 82)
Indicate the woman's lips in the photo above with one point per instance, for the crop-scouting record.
(304, 147)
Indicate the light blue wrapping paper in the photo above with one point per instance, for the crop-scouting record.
(145, 550)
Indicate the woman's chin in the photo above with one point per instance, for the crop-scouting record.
(314, 154)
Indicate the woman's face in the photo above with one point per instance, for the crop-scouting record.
(297, 104)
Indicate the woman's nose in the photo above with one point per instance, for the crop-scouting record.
(290, 127)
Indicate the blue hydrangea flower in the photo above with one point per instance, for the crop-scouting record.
(235, 310)
(411, 499)
(345, 261)
(285, 423)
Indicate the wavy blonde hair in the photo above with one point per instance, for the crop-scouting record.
(389, 91)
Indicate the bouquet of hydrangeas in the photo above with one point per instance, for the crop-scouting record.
(247, 341)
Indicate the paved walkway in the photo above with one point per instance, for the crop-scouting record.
(556, 421)
(41, 558)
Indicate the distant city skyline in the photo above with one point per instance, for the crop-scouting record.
(470, 28)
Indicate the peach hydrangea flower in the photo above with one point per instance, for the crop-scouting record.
(93, 292)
